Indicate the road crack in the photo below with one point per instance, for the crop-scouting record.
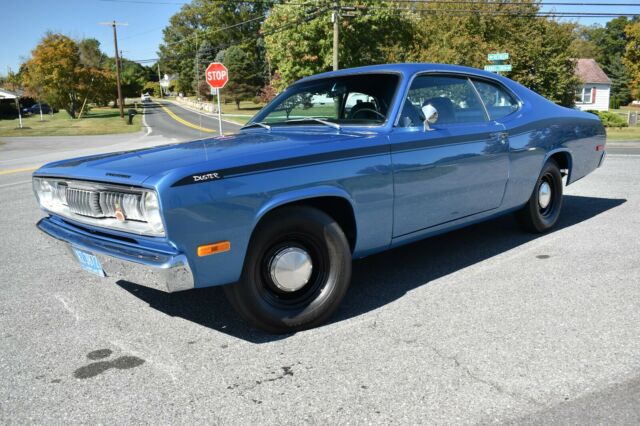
(490, 383)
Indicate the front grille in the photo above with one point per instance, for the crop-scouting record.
(83, 202)
(101, 204)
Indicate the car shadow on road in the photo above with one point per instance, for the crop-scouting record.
(382, 278)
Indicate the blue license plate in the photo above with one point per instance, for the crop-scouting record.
(89, 262)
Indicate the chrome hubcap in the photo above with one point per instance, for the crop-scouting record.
(544, 195)
(290, 269)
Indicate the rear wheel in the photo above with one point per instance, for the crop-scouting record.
(543, 208)
(296, 272)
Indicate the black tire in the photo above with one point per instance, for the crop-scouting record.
(539, 218)
(257, 297)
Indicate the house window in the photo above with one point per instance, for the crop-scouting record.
(583, 95)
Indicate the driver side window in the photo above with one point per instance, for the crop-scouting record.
(453, 97)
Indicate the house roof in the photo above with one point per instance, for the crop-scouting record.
(7, 94)
(588, 71)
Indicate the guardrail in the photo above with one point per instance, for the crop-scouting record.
(202, 106)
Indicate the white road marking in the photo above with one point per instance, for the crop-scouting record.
(144, 121)
(6, 185)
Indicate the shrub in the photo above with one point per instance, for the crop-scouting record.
(610, 119)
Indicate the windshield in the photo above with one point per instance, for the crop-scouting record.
(363, 99)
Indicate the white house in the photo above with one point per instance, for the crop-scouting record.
(594, 92)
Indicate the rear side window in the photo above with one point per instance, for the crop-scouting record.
(498, 101)
(452, 96)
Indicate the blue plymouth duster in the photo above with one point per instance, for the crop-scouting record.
(340, 165)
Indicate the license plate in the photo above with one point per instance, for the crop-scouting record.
(89, 262)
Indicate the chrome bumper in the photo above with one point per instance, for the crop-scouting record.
(161, 271)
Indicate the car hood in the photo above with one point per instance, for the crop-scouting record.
(248, 147)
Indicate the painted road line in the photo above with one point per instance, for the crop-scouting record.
(24, 169)
(22, 182)
(185, 122)
(144, 120)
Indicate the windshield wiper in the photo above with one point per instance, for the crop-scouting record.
(318, 120)
(256, 123)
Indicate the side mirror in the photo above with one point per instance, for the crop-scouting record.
(430, 116)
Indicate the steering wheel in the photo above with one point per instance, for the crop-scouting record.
(368, 110)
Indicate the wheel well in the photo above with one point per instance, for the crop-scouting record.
(564, 162)
(337, 207)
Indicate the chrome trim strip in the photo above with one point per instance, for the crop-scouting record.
(161, 271)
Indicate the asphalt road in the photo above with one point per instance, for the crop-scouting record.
(182, 123)
(483, 325)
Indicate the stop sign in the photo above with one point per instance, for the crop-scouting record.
(216, 75)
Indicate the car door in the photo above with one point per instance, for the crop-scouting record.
(457, 168)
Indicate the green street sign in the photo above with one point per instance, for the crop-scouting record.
(498, 56)
(497, 68)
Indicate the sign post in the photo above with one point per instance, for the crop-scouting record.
(497, 62)
(217, 77)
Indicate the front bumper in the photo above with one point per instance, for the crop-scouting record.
(149, 268)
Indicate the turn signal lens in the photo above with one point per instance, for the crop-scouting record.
(214, 248)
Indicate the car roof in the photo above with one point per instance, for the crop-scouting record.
(406, 69)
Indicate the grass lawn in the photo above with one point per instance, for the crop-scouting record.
(99, 121)
(242, 115)
(623, 134)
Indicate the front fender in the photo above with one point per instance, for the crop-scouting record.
(299, 195)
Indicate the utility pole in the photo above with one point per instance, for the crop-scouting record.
(197, 70)
(335, 18)
(114, 24)
(160, 80)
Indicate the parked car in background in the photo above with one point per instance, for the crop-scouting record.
(35, 109)
(339, 166)
(145, 97)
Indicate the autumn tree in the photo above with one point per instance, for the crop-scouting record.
(611, 41)
(632, 56)
(55, 74)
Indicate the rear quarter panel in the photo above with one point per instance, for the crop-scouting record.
(541, 129)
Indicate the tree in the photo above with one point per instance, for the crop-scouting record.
(611, 41)
(245, 75)
(540, 49)
(582, 45)
(55, 73)
(299, 40)
(152, 87)
(90, 53)
(207, 21)
(632, 56)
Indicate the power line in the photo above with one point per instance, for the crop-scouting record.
(247, 39)
(414, 2)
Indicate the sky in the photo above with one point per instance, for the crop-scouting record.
(24, 22)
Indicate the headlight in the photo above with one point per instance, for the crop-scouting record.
(47, 193)
(152, 212)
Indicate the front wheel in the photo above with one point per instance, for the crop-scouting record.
(296, 272)
(543, 208)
